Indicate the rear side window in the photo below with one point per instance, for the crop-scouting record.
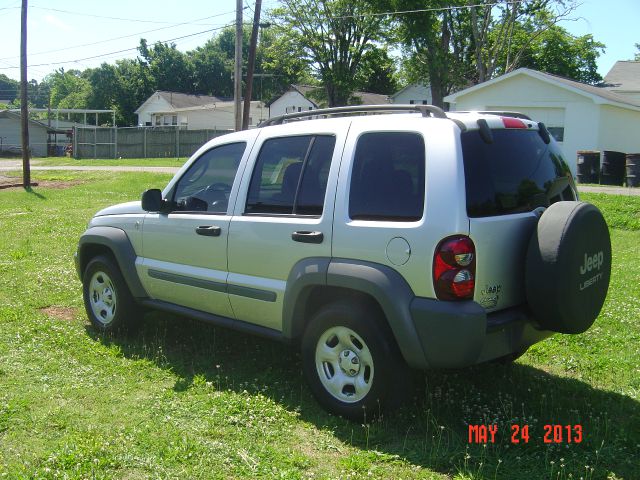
(516, 173)
(387, 182)
(290, 176)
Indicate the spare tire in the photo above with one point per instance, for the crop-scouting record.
(568, 267)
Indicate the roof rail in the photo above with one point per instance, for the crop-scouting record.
(426, 110)
(501, 113)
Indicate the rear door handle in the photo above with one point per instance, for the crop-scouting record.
(307, 237)
(209, 230)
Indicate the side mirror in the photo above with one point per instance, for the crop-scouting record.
(152, 200)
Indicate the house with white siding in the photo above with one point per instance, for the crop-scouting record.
(579, 116)
(193, 112)
(40, 135)
(413, 94)
(299, 98)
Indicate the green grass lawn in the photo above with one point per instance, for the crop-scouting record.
(187, 400)
(120, 162)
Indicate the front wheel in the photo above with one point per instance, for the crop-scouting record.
(351, 363)
(107, 300)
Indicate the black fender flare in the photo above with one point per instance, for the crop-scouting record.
(118, 243)
(382, 283)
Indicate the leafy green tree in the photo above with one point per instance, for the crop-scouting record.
(9, 88)
(637, 57)
(283, 61)
(334, 35)
(134, 84)
(69, 89)
(552, 49)
(171, 69)
(377, 72)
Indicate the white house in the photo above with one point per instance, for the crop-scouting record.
(579, 116)
(293, 100)
(298, 99)
(40, 135)
(413, 94)
(193, 112)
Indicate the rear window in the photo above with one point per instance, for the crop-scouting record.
(516, 173)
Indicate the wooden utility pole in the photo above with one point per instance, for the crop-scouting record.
(237, 77)
(24, 106)
(251, 63)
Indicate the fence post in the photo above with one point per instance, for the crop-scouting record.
(178, 142)
(95, 142)
(75, 141)
(144, 142)
(115, 142)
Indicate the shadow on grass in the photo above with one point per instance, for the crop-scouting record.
(431, 430)
(34, 193)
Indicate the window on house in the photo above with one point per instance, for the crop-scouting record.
(290, 176)
(387, 181)
(557, 133)
(411, 102)
(174, 120)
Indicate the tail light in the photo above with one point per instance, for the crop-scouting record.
(454, 269)
(509, 122)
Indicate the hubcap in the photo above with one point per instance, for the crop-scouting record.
(344, 364)
(102, 297)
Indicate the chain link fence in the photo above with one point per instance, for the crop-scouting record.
(139, 142)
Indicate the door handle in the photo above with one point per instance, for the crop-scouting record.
(209, 230)
(307, 237)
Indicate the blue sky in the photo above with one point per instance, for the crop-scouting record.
(70, 31)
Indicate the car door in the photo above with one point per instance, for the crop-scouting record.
(184, 251)
(283, 214)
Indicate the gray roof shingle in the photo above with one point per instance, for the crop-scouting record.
(183, 100)
(623, 76)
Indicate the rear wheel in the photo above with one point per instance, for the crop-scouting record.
(350, 362)
(107, 300)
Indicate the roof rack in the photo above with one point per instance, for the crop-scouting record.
(426, 110)
(502, 113)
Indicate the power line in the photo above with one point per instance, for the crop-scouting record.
(118, 51)
(137, 20)
(191, 22)
(431, 9)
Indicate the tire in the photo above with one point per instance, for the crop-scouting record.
(568, 267)
(351, 362)
(107, 299)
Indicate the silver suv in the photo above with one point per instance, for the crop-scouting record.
(409, 239)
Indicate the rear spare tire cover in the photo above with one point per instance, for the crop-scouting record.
(568, 267)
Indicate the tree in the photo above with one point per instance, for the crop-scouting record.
(637, 57)
(377, 72)
(9, 89)
(334, 36)
(69, 89)
(171, 69)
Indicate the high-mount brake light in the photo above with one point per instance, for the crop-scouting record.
(454, 268)
(509, 122)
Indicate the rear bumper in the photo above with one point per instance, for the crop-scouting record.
(460, 334)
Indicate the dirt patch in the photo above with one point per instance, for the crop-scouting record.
(16, 182)
(60, 313)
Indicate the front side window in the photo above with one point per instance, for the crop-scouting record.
(387, 181)
(290, 176)
(205, 187)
